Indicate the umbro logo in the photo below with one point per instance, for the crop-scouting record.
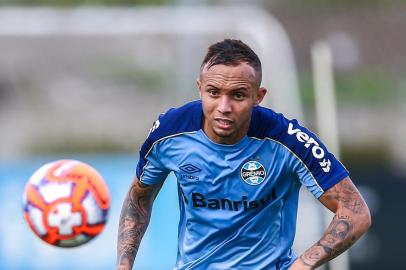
(190, 169)
(325, 165)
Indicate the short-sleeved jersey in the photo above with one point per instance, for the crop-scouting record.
(238, 203)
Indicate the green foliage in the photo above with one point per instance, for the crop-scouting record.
(306, 90)
(336, 4)
(70, 3)
(366, 87)
(371, 154)
(85, 145)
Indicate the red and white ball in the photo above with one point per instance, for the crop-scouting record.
(66, 203)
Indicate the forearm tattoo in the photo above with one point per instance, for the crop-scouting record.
(346, 227)
(134, 220)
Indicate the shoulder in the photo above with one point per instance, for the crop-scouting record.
(301, 142)
(186, 118)
(176, 121)
(266, 123)
(271, 125)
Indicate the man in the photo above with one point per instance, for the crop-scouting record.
(239, 168)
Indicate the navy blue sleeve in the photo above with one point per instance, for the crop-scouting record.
(176, 121)
(306, 146)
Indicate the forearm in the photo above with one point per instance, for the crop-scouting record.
(133, 223)
(342, 233)
(351, 220)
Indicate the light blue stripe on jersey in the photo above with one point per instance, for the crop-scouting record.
(238, 202)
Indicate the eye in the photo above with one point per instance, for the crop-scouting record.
(239, 95)
(213, 92)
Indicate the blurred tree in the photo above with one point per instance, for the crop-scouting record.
(67, 3)
(330, 4)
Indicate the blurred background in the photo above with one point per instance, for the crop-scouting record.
(86, 79)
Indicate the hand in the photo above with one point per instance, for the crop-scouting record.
(299, 265)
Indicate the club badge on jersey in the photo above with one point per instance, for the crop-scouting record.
(253, 173)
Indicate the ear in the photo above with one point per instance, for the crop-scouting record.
(260, 95)
(199, 87)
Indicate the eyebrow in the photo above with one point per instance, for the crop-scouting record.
(245, 89)
(213, 86)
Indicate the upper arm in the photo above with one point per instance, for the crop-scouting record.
(142, 194)
(345, 198)
(138, 202)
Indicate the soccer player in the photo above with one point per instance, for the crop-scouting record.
(239, 167)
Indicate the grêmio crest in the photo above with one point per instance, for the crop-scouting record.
(253, 173)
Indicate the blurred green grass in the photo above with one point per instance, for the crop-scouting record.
(72, 3)
(366, 87)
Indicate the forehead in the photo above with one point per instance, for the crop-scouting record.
(242, 73)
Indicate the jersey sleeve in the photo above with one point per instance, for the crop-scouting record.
(316, 167)
(150, 169)
(308, 158)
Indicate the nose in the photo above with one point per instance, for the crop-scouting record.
(224, 105)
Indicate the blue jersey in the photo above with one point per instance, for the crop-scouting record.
(238, 203)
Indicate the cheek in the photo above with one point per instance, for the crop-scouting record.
(242, 117)
(245, 112)
(207, 110)
(208, 105)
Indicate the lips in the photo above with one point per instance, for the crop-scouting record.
(223, 123)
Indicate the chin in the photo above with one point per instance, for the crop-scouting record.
(225, 137)
(224, 133)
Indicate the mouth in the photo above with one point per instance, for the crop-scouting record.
(223, 123)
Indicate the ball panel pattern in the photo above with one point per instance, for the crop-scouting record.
(66, 203)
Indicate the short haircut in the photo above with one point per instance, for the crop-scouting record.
(232, 52)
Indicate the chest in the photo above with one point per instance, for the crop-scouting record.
(255, 170)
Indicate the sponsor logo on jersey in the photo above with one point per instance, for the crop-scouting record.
(245, 204)
(253, 173)
(311, 143)
(190, 169)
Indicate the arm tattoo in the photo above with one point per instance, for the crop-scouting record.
(134, 220)
(335, 241)
(351, 220)
(345, 193)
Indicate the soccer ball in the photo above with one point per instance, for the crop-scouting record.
(66, 203)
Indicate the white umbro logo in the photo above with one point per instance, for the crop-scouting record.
(325, 165)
